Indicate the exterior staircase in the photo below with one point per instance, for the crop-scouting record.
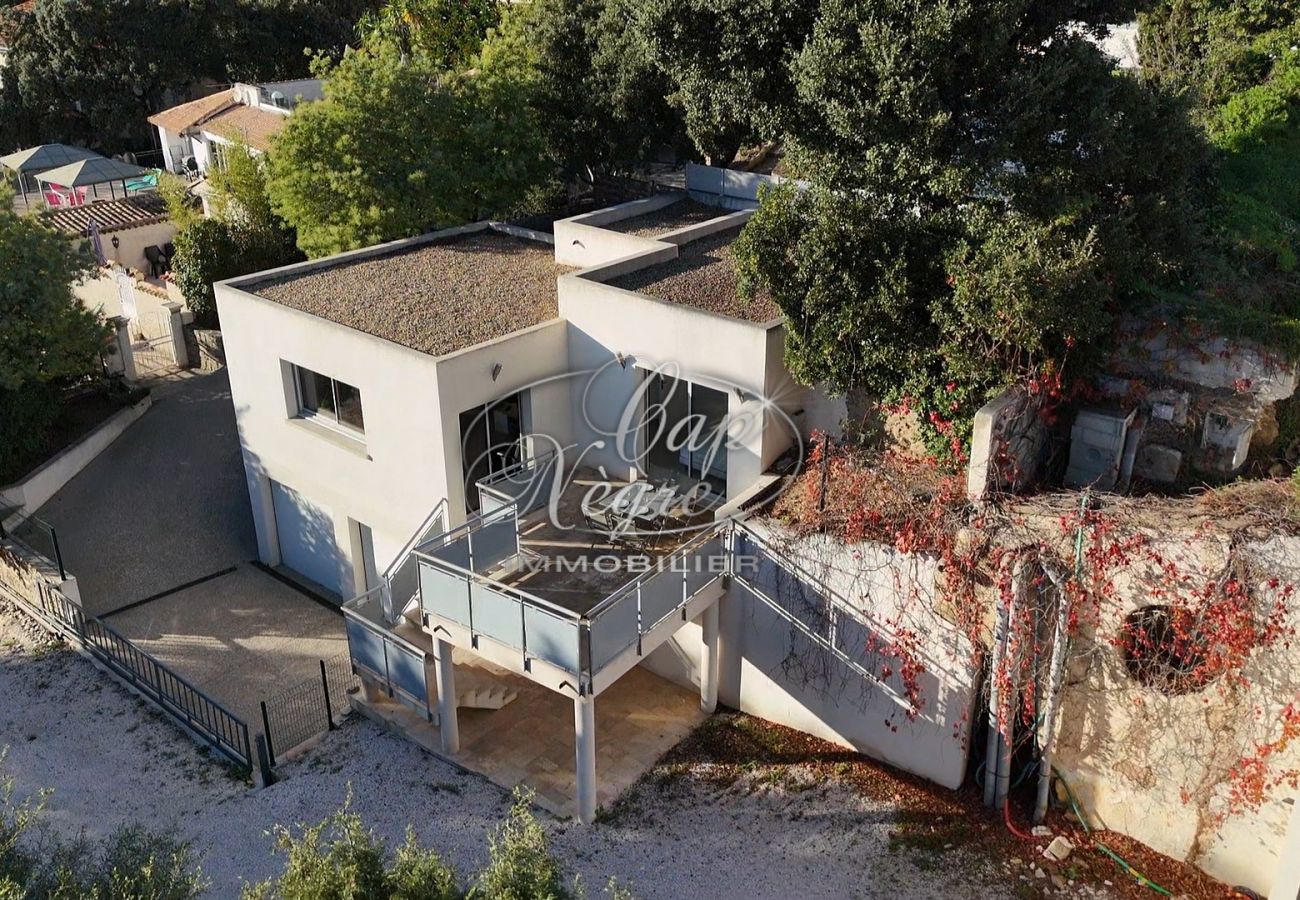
(476, 689)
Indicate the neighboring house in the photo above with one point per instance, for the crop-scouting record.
(195, 136)
(385, 394)
(126, 227)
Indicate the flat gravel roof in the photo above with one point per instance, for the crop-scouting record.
(704, 277)
(437, 298)
(668, 218)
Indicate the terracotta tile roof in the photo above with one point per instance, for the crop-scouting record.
(255, 127)
(187, 115)
(109, 215)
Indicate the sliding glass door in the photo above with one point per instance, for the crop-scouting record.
(491, 439)
(685, 430)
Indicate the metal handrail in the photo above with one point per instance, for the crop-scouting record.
(504, 474)
(438, 510)
(832, 595)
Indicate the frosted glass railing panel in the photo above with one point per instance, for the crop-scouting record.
(552, 638)
(444, 593)
(497, 615)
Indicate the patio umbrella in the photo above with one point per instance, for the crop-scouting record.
(43, 157)
(92, 172)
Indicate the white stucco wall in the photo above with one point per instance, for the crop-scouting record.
(390, 481)
(605, 321)
(756, 676)
(465, 382)
(132, 241)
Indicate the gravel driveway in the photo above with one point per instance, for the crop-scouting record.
(111, 760)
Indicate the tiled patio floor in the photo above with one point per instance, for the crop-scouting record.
(531, 740)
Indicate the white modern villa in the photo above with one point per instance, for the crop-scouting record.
(443, 432)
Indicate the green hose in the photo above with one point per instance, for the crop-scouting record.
(1119, 860)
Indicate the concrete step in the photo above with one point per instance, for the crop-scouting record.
(481, 691)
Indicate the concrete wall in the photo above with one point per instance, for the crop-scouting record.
(39, 486)
(1007, 445)
(768, 669)
(581, 241)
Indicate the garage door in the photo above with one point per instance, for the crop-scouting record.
(306, 534)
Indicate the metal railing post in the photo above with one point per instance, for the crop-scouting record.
(58, 554)
(325, 686)
(266, 729)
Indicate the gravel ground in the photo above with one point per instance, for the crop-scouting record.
(668, 218)
(111, 760)
(703, 276)
(438, 298)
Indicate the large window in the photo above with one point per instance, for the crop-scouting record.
(328, 399)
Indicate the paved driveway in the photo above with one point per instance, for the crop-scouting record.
(165, 504)
(159, 534)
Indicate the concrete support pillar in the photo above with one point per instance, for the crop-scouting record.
(448, 726)
(176, 325)
(584, 730)
(122, 326)
(1286, 883)
(709, 659)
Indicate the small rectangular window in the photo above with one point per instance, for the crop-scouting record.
(322, 397)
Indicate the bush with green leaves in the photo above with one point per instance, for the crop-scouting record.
(399, 146)
(48, 339)
(340, 859)
(129, 864)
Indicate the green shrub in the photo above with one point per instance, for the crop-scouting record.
(340, 859)
(129, 864)
(206, 252)
(520, 865)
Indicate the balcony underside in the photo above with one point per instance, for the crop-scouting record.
(531, 740)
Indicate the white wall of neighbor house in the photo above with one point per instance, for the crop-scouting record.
(389, 479)
(132, 241)
(465, 381)
(605, 321)
(756, 675)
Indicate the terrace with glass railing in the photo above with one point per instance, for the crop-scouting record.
(536, 583)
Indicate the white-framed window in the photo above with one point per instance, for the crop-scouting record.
(328, 400)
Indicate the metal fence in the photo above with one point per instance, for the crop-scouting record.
(299, 713)
(174, 695)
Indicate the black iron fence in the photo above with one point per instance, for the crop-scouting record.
(300, 712)
(186, 704)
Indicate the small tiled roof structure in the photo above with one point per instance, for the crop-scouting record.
(254, 127)
(109, 215)
(437, 297)
(187, 115)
